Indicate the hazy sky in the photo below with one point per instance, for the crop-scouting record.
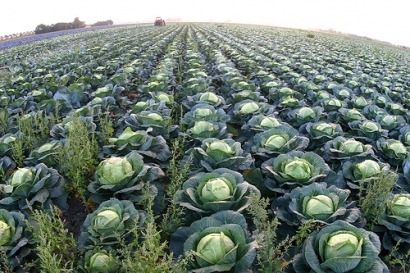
(387, 20)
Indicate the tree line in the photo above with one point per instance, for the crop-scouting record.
(103, 23)
(77, 23)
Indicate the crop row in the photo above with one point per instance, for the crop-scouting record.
(205, 148)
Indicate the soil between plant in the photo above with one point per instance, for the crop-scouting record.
(74, 217)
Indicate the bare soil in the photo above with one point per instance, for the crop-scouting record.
(74, 217)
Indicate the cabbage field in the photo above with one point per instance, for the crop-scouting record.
(204, 148)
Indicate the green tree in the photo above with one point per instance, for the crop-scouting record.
(77, 23)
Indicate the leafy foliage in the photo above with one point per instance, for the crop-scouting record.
(36, 187)
(15, 244)
(220, 243)
(190, 119)
(56, 248)
(110, 223)
(340, 247)
(294, 168)
(123, 178)
(219, 190)
(316, 202)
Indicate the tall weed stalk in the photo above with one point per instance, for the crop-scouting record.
(373, 196)
(56, 249)
(271, 253)
(173, 216)
(151, 254)
(78, 156)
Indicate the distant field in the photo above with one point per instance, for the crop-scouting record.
(32, 38)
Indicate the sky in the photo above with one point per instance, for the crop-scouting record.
(386, 20)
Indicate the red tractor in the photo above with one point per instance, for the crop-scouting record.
(159, 22)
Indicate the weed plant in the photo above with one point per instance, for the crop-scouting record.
(373, 196)
(270, 254)
(173, 216)
(106, 127)
(34, 130)
(78, 157)
(56, 248)
(402, 262)
(151, 254)
(4, 122)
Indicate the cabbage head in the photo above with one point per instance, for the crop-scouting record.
(204, 112)
(404, 136)
(6, 144)
(361, 170)
(208, 97)
(392, 151)
(158, 120)
(46, 153)
(366, 130)
(258, 124)
(110, 223)
(340, 247)
(15, 244)
(123, 178)
(390, 122)
(396, 224)
(215, 153)
(35, 187)
(332, 104)
(278, 140)
(207, 129)
(220, 243)
(154, 148)
(294, 168)
(303, 115)
(100, 261)
(317, 202)
(320, 132)
(348, 115)
(221, 189)
(244, 110)
(341, 148)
